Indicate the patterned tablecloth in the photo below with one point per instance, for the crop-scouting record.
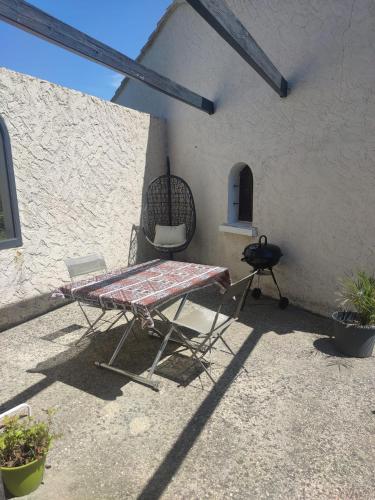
(143, 287)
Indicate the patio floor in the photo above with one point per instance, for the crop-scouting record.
(299, 424)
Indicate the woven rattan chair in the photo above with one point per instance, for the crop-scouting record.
(169, 202)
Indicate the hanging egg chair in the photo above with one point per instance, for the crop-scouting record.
(169, 217)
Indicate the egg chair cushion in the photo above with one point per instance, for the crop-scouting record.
(170, 236)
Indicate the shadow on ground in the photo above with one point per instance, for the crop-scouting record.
(282, 324)
(75, 367)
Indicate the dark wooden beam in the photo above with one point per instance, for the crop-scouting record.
(29, 18)
(221, 19)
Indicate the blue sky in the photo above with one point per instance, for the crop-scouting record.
(122, 24)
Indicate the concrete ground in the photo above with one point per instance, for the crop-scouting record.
(299, 424)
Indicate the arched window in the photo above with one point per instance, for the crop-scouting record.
(245, 198)
(10, 232)
(240, 194)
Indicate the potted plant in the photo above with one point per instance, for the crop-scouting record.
(354, 327)
(24, 444)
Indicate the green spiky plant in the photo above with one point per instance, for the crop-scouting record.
(359, 292)
(24, 440)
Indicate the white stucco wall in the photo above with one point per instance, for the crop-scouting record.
(80, 165)
(312, 154)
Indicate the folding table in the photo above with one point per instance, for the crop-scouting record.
(142, 289)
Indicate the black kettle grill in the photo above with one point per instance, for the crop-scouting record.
(262, 257)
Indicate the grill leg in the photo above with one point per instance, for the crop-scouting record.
(247, 291)
(274, 280)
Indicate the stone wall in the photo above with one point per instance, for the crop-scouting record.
(80, 165)
(312, 154)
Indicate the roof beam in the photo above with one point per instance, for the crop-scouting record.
(29, 18)
(221, 19)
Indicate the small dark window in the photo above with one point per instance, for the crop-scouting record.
(245, 206)
(10, 232)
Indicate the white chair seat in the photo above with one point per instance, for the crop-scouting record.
(171, 245)
(200, 319)
(193, 316)
(171, 308)
(210, 326)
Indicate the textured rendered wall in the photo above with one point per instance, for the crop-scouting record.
(312, 154)
(80, 166)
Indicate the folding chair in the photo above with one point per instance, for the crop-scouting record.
(209, 326)
(86, 266)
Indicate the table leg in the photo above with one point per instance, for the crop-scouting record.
(128, 329)
(133, 376)
(160, 352)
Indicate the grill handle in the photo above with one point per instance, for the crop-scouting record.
(263, 237)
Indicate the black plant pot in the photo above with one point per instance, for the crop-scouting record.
(352, 338)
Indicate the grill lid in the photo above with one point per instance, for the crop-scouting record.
(262, 255)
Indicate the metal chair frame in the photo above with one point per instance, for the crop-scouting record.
(234, 296)
(85, 266)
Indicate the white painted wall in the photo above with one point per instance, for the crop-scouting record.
(80, 165)
(312, 154)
